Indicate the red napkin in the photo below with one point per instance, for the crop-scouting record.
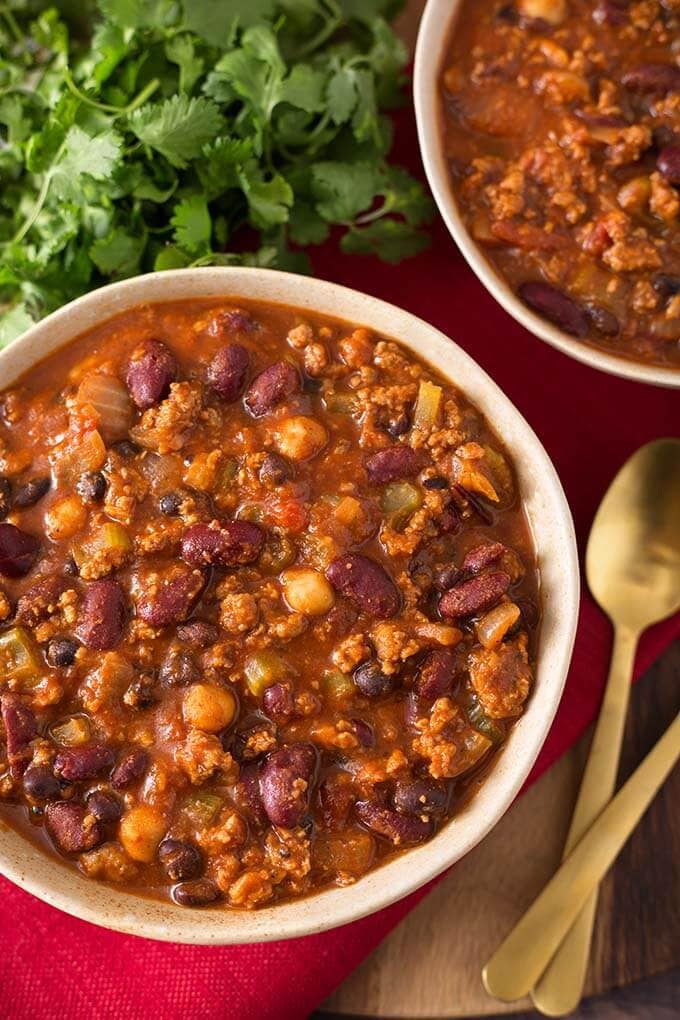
(52, 966)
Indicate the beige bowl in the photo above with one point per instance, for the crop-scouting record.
(433, 39)
(553, 533)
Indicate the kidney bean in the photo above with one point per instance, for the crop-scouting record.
(38, 601)
(372, 682)
(235, 320)
(30, 492)
(482, 556)
(277, 701)
(150, 371)
(283, 796)
(366, 583)
(276, 384)
(172, 599)
(130, 768)
(390, 465)
(604, 321)
(228, 372)
(20, 729)
(666, 285)
(105, 807)
(198, 633)
(180, 861)
(178, 669)
(91, 487)
(419, 797)
(249, 793)
(275, 470)
(364, 732)
(385, 821)
(474, 596)
(668, 163)
(18, 550)
(198, 893)
(40, 784)
(78, 763)
(465, 498)
(551, 303)
(232, 543)
(415, 708)
(102, 615)
(657, 79)
(436, 674)
(65, 823)
(61, 652)
(5, 496)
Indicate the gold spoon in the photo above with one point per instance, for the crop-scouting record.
(550, 916)
(633, 570)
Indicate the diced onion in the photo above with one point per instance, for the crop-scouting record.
(111, 402)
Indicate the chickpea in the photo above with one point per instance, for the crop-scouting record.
(65, 518)
(209, 708)
(300, 438)
(141, 830)
(552, 11)
(307, 591)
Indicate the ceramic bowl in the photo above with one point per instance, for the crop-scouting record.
(434, 36)
(553, 533)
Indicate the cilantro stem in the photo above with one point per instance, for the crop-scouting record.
(39, 203)
(118, 111)
(333, 22)
(382, 210)
(12, 24)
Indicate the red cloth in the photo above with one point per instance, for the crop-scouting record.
(54, 967)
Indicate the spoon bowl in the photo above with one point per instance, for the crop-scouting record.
(633, 554)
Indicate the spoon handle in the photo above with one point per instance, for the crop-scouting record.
(522, 957)
(560, 988)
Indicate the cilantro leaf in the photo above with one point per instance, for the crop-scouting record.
(193, 226)
(83, 154)
(118, 254)
(391, 240)
(215, 21)
(177, 128)
(269, 201)
(342, 190)
(13, 323)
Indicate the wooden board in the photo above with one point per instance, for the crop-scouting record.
(430, 965)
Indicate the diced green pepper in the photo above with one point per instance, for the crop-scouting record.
(110, 536)
(341, 403)
(338, 686)
(399, 501)
(427, 407)
(483, 724)
(201, 808)
(19, 656)
(264, 669)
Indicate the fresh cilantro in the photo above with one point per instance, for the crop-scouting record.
(155, 134)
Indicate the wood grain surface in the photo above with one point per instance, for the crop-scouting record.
(430, 965)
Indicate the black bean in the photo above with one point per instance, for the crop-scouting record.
(198, 633)
(398, 426)
(275, 470)
(438, 482)
(372, 682)
(604, 321)
(5, 497)
(91, 486)
(178, 669)
(30, 492)
(180, 861)
(40, 784)
(666, 285)
(71, 567)
(446, 577)
(61, 652)
(196, 894)
(104, 806)
(126, 448)
(170, 503)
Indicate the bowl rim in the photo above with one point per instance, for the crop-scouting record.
(62, 886)
(429, 53)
